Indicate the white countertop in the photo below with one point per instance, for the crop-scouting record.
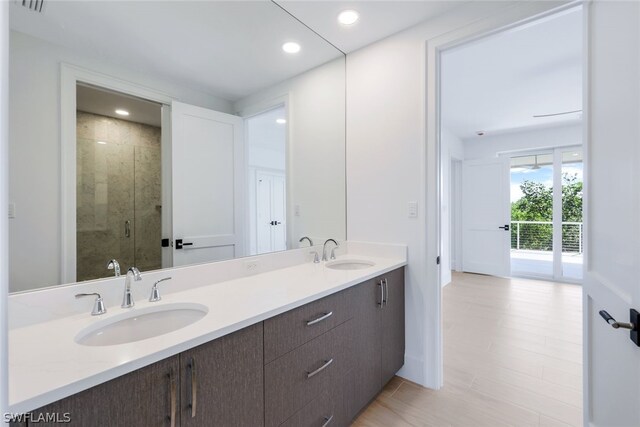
(46, 364)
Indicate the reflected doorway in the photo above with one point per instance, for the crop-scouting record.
(118, 182)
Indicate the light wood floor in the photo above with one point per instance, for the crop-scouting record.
(512, 356)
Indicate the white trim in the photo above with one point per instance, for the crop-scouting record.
(512, 17)
(4, 200)
(70, 75)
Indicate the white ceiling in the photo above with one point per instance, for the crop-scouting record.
(105, 103)
(499, 83)
(378, 19)
(230, 49)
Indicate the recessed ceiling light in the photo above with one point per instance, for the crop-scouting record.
(348, 17)
(291, 47)
(281, 121)
(101, 142)
(122, 112)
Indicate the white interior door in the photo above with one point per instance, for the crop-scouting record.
(612, 251)
(207, 174)
(271, 212)
(486, 216)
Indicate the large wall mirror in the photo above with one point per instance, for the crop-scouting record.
(162, 134)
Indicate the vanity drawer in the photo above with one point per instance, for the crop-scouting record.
(292, 329)
(297, 378)
(324, 410)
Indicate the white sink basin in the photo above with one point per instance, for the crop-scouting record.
(349, 264)
(140, 324)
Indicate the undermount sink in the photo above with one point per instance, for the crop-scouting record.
(350, 264)
(140, 324)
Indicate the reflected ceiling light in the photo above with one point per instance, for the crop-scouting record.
(281, 121)
(101, 142)
(122, 112)
(291, 47)
(348, 17)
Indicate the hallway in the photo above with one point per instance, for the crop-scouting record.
(512, 356)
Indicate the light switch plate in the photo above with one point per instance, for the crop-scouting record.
(296, 210)
(12, 210)
(413, 209)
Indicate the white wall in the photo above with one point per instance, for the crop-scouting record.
(490, 145)
(452, 148)
(315, 170)
(386, 161)
(35, 177)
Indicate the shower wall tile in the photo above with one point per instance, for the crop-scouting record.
(117, 182)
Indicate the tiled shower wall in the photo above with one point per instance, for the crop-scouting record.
(118, 180)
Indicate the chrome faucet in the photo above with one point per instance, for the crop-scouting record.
(127, 299)
(155, 293)
(333, 251)
(306, 238)
(114, 265)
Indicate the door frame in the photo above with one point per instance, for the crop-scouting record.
(514, 17)
(70, 76)
(254, 110)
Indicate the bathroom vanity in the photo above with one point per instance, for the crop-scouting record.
(312, 347)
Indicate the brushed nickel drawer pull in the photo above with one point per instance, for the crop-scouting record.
(174, 397)
(194, 388)
(320, 319)
(386, 292)
(321, 368)
(381, 284)
(327, 421)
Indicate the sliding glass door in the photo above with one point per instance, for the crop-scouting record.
(546, 214)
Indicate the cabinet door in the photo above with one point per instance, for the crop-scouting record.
(141, 398)
(366, 344)
(222, 381)
(393, 325)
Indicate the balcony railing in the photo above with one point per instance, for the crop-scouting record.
(538, 236)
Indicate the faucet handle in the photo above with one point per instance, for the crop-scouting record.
(98, 305)
(316, 257)
(155, 292)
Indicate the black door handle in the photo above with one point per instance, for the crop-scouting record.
(180, 243)
(505, 228)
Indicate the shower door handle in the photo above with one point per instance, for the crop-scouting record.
(127, 229)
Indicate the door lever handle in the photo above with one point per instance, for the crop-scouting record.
(614, 323)
(505, 228)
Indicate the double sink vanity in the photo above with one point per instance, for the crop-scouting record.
(296, 344)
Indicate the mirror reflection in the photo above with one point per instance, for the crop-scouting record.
(193, 134)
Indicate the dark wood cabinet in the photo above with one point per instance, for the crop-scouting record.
(141, 398)
(305, 367)
(367, 363)
(379, 343)
(392, 327)
(222, 381)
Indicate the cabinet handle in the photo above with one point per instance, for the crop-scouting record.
(320, 319)
(174, 397)
(327, 421)
(321, 368)
(194, 388)
(386, 291)
(381, 284)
